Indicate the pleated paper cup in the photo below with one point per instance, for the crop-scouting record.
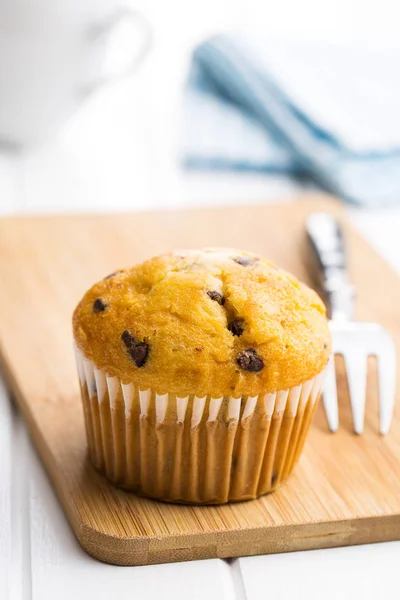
(191, 449)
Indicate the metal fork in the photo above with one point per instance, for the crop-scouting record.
(354, 340)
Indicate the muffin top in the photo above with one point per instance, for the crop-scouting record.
(213, 321)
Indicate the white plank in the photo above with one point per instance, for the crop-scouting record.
(238, 581)
(20, 566)
(368, 572)
(6, 425)
(62, 570)
(14, 503)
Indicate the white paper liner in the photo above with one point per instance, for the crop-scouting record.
(194, 449)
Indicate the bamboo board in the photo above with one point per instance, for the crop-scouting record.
(345, 490)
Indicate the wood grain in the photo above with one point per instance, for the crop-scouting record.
(345, 490)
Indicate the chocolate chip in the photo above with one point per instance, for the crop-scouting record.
(111, 275)
(138, 351)
(99, 305)
(250, 361)
(245, 261)
(199, 348)
(217, 297)
(325, 346)
(236, 327)
(273, 479)
(128, 339)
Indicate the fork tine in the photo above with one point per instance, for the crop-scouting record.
(356, 368)
(387, 384)
(330, 396)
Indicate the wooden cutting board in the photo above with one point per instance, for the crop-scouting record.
(345, 490)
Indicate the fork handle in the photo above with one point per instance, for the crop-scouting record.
(326, 239)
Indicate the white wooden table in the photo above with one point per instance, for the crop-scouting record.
(119, 153)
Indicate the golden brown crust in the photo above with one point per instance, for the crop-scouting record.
(184, 340)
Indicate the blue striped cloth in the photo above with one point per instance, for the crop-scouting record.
(331, 112)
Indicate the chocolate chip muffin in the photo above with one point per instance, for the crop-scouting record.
(200, 371)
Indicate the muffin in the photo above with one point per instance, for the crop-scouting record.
(200, 372)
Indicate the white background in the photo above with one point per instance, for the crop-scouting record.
(120, 152)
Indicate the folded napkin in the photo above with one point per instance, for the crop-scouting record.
(325, 110)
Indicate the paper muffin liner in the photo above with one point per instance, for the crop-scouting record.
(194, 449)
